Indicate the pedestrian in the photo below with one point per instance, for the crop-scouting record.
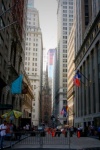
(3, 128)
(27, 127)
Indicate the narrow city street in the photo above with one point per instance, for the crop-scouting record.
(50, 74)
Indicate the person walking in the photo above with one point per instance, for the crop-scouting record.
(3, 128)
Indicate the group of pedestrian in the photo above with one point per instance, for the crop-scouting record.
(7, 131)
(3, 129)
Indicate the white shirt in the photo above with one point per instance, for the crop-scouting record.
(27, 127)
(3, 132)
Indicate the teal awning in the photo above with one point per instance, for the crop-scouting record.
(5, 106)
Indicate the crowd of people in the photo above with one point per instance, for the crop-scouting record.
(10, 130)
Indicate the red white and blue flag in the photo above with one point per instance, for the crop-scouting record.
(76, 79)
(64, 112)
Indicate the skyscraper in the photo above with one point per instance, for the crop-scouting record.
(65, 15)
(33, 57)
(31, 3)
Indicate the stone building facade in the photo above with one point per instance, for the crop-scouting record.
(11, 49)
(27, 99)
(87, 61)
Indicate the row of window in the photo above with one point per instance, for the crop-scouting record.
(32, 69)
(30, 34)
(29, 73)
(66, 7)
(65, 11)
(34, 44)
(28, 63)
(66, 3)
(34, 54)
(34, 49)
(66, 19)
(29, 37)
(28, 58)
(32, 29)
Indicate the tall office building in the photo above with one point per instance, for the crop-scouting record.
(65, 15)
(70, 74)
(33, 58)
(31, 3)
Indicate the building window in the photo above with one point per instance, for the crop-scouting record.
(64, 60)
(64, 80)
(64, 70)
(64, 75)
(6, 50)
(33, 116)
(4, 65)
(64, 85)
(64, 28)
(64, 101)
(64, 3)
(3, 7)
(64, 56)
(1, 22)
(33, 110)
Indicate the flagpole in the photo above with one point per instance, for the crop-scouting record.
(8, 25)
(84, 76)
(82, 82)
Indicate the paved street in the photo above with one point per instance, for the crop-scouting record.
(75, 143)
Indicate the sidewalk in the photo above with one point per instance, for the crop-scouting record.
(75, 143)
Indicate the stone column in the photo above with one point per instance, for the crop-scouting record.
(91, 84)
(82, 101)
(86, 86)
(96, 80)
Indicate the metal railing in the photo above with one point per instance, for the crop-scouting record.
(39, 139)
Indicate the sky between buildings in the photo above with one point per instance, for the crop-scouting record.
(48, 22)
